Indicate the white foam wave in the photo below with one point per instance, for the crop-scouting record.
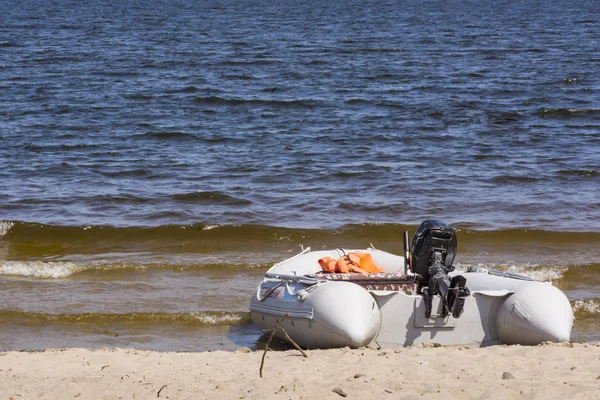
(588, 306)
(543, 274)
(5, 227)
(209, 319)
(539, 273)
(39, 269)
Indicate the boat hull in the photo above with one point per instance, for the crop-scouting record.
(320, 313)
(333, 314)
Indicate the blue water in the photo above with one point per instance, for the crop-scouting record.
(300, 113)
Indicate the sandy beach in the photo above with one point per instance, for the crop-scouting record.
(553, 371)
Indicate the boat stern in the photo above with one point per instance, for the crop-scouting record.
(534, 314)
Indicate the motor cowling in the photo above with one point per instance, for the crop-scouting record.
(431, 256)
(432, 236)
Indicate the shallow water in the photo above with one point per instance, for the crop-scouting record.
(156, 157)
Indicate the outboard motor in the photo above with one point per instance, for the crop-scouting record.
(431, 256)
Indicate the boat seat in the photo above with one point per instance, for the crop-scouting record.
(388, 281)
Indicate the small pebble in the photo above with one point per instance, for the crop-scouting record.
(243, 350)
(340, 392)
(356, 376)
(508, 375)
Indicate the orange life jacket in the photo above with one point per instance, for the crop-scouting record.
(356, 262)
(328, 264)
(367, 263)
(350, 263)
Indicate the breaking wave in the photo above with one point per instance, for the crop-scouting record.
(62, 270)
(5, 227)
(372, 232)
(539, 273)
(586, 307)
(201, 318)
(256, 244)
(39, 269)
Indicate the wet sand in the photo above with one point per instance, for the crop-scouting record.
(553, 371)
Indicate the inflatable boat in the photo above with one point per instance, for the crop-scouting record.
(419, 297)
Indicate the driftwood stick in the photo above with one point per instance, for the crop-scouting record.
(273, 331)
(262, 362)
(160, 390)
(294, 343)
(269, 342)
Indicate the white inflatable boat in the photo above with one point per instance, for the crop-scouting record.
(422, 300)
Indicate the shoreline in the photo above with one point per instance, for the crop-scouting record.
(547, 371)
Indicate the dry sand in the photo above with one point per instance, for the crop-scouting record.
(559, 371)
